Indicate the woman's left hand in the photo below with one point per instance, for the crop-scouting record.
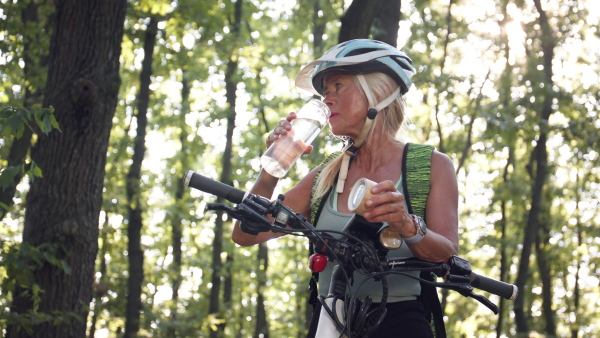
(387, 205)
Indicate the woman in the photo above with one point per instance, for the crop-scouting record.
(362, 82)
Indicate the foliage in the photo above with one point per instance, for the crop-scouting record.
(477, 96)
(13, 121)
(18, 264)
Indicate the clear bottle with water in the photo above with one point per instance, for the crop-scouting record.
(284, 152)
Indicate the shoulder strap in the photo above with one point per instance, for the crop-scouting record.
(317, 205)
(315, 210)
(416, 172)
(416, 169)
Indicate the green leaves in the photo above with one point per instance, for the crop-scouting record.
(18, 265)
(8, 174)
(13, 120)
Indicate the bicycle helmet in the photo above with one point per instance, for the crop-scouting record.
(359, 57)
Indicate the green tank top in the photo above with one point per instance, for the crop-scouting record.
(400, 288)
(415, 187)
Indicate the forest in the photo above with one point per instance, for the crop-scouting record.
(105, 104)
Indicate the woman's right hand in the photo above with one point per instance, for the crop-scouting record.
(283, 126)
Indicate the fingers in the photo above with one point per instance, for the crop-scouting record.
(386, 205)
(308, 150)
(283, 126)
(383, 193)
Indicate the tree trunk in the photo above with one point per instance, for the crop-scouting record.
(319, 25)
(262, 324)
(63, 207)
(505, 91)
(387, 22)
(358, 19)
(576, 290)
(504, 266)
(100, 288)
(135, 253)
(444, 85)
(230, 88)
(540, 158)
(546, 279)
(217, 247)
(176, 226)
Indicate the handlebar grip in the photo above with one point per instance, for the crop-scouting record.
(499, 288)
(197, 181)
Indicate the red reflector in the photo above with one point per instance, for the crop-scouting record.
(317, 263)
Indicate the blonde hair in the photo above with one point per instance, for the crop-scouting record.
(391, 119)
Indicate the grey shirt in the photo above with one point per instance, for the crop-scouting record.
(400, 288)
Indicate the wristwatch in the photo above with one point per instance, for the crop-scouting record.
(421, 230)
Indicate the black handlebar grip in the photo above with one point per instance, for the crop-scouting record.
(499, 288)
(197, 181)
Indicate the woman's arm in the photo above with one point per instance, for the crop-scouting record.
(297, 199)
(265, 186)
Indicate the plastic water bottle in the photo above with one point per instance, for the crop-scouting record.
(284, 152)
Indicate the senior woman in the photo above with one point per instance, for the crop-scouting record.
(363, 83)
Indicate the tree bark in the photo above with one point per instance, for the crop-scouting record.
(546, 279)
(176, 225)
(135, 253)
(540, 158)
(217, 247)
(100, 288)
(505, 91)
(262, 324)
(387, 22)
(63, 207)
(441, 145)
(230, 88)
(504, 266)
(578, 259)
(318, 29)
(358, 19)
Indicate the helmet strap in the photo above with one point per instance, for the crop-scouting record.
(364, 131)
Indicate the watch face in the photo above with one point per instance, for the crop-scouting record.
(423, 226)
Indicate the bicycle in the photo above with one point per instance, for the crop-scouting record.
(361, 246)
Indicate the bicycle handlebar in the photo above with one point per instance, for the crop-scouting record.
(199, 182)
(457, 268)
(496, 287)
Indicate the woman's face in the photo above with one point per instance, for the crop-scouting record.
(347, 103)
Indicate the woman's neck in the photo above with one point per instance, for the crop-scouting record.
(377, 153)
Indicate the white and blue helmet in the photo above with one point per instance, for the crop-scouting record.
(360, 56)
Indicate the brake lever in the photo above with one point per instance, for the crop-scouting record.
(233, 212)
(252, 222)
(488, 303)
(461, 285)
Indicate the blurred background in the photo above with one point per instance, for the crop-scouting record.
(105, 105)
